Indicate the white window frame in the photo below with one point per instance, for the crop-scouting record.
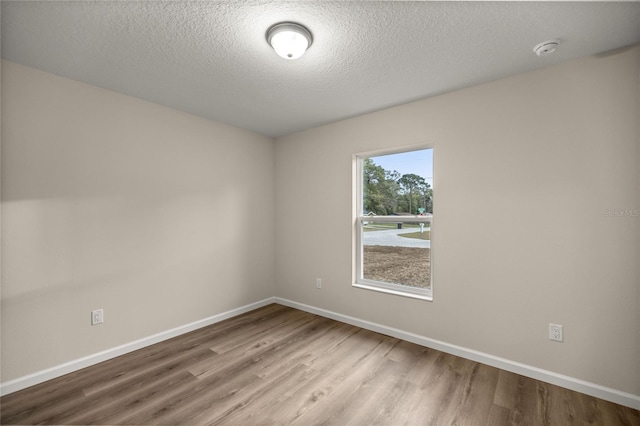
(361, 218)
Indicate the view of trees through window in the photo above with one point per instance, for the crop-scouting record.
(395, 221)
(388, 192)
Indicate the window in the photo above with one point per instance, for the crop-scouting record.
(394, 221)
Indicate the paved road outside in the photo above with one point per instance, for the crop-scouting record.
(390, 237)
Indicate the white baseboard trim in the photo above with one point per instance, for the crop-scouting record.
(577, 385)
(69, 367)
(567, 382)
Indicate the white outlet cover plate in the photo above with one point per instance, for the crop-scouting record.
(97, 317)
(555, 332)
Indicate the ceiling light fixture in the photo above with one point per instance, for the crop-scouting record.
(289, 40)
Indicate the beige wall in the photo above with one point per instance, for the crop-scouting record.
(526, 169)
(111, 202)
(115, 203)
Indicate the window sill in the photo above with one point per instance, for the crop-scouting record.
(428, 296)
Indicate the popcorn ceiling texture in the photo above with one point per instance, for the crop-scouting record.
(211, 58)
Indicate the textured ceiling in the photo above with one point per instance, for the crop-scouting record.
(210, 58)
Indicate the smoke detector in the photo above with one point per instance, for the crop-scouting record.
(546, 48)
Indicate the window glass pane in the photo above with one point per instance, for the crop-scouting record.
(398, 256)
(397, 250)
(398, 183)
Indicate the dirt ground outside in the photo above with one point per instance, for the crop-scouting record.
(400, 265)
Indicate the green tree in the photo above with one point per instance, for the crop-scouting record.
(373, 181)
(391, 190)
(410, 184)
(386, 192)
(426, 197)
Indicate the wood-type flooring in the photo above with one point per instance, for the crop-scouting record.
(280, 366)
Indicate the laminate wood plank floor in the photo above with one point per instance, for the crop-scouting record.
(279, 366)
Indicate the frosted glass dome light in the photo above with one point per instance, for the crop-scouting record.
(289, 40)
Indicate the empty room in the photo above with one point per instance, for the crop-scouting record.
(320, 212)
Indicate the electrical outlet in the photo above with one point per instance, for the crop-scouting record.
(97, 317)
(555, 332)
(318, 283)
